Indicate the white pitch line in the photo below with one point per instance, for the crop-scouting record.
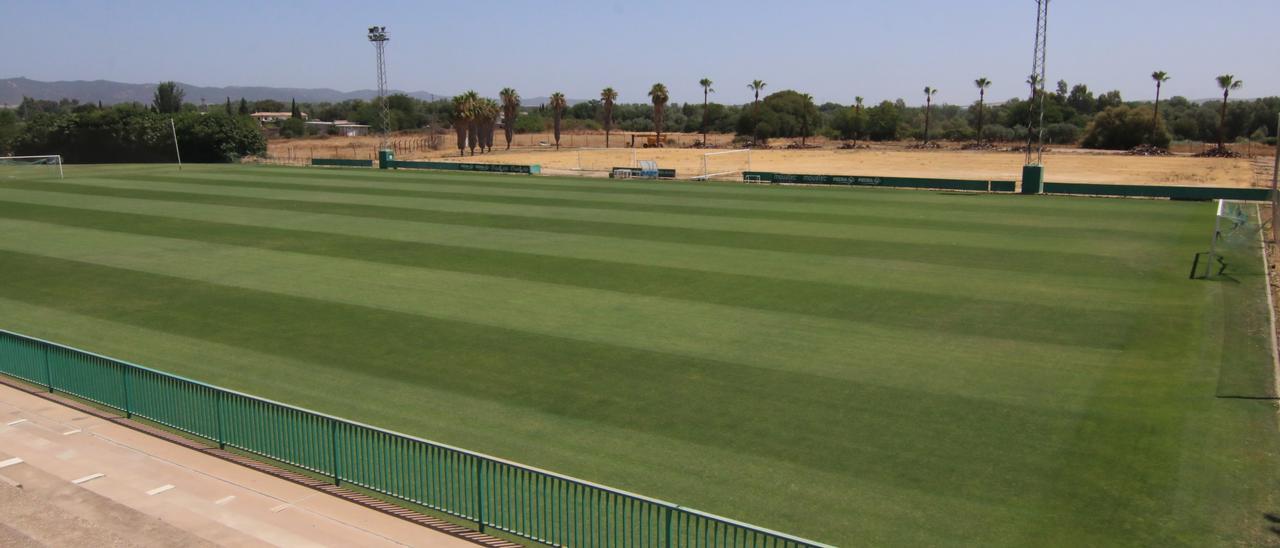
(10, 462)
(70, 432)
(160, 489)
(19, 421)
(225, 500)
(280, 508)
(89, 477)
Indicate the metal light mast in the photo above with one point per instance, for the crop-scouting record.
(1037, 82)
(378, 35)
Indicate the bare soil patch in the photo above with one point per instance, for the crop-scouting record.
(1063, 164)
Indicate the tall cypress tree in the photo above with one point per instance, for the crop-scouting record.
(229, 111)
(244, 107)
(293, 109)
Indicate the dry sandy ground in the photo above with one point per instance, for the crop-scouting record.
(70, 479)
(1062, 165)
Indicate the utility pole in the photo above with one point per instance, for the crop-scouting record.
(1033, 166)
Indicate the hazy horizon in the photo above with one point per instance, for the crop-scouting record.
(832, 50)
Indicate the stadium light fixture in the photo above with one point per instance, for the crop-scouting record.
(378, 35)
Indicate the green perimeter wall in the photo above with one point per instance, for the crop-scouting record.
(341, 162)
(459, 166)
(1154, 191)
(635, 172)
(901, 182)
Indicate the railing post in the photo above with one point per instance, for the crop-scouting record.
(667, 541)
(124, 380)
(333, 436)
(479, 479)
(217, 411)
(48, 373)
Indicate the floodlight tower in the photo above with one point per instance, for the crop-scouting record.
(378, 35)
(1033, 168)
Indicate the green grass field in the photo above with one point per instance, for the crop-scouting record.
(857, 366)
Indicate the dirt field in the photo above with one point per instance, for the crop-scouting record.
(1062, 164)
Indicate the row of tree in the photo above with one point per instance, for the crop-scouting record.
(132, 133)
(1070, 113)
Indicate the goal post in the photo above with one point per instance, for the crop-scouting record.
(31, 167)
(1235, 244)
(725, 162)
(605, 159)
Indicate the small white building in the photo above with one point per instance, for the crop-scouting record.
(268, 117)
(339, 127)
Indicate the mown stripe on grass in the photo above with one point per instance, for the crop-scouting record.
(1127, 260)
(1041, 205)
(1096, 291)
(843, 426)
(581, 447)
(968, 314)
(1029, 240)
(817, 346)
(874, 214)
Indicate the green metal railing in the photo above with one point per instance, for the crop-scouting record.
(523, 501)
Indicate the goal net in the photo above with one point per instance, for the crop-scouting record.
(1236, 245)
(605, 159)
(725, 163)
(31, 167)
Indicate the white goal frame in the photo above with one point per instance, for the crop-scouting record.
(610, 149)
(706, 174)
(57, 160)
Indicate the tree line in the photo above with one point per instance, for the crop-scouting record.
(1073, 114)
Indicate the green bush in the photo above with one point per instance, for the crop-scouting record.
(786, 113)
(531, 123)
(884, 121)
(9, 128)
(1062, 134)
(293, 127)
(125, 134)
(1122, 128)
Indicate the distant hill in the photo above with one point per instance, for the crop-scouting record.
(12, 90)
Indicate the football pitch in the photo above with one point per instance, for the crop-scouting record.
(855, 366)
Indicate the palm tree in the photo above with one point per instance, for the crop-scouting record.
(756, 86)
(857, 108)
(510, 110)
(928, 106)
(1160, 77)
(804, 118)
(706, 89)
(658, 93)
(462, 110)
(1227, 82)
(607, 97)
(557, 110)
(982, 85)
(487, 119)
(473, 119)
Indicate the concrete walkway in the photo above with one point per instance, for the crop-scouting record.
(68, 478)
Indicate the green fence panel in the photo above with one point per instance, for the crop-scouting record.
(88, 376)
(464, 166)
(663, 173)
(1155, 191)
(526, 502)
(174, 402)
(341, 162)
(896, 182)
(24, 359)
(277, 431)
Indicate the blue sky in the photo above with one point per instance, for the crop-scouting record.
(831, 49)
